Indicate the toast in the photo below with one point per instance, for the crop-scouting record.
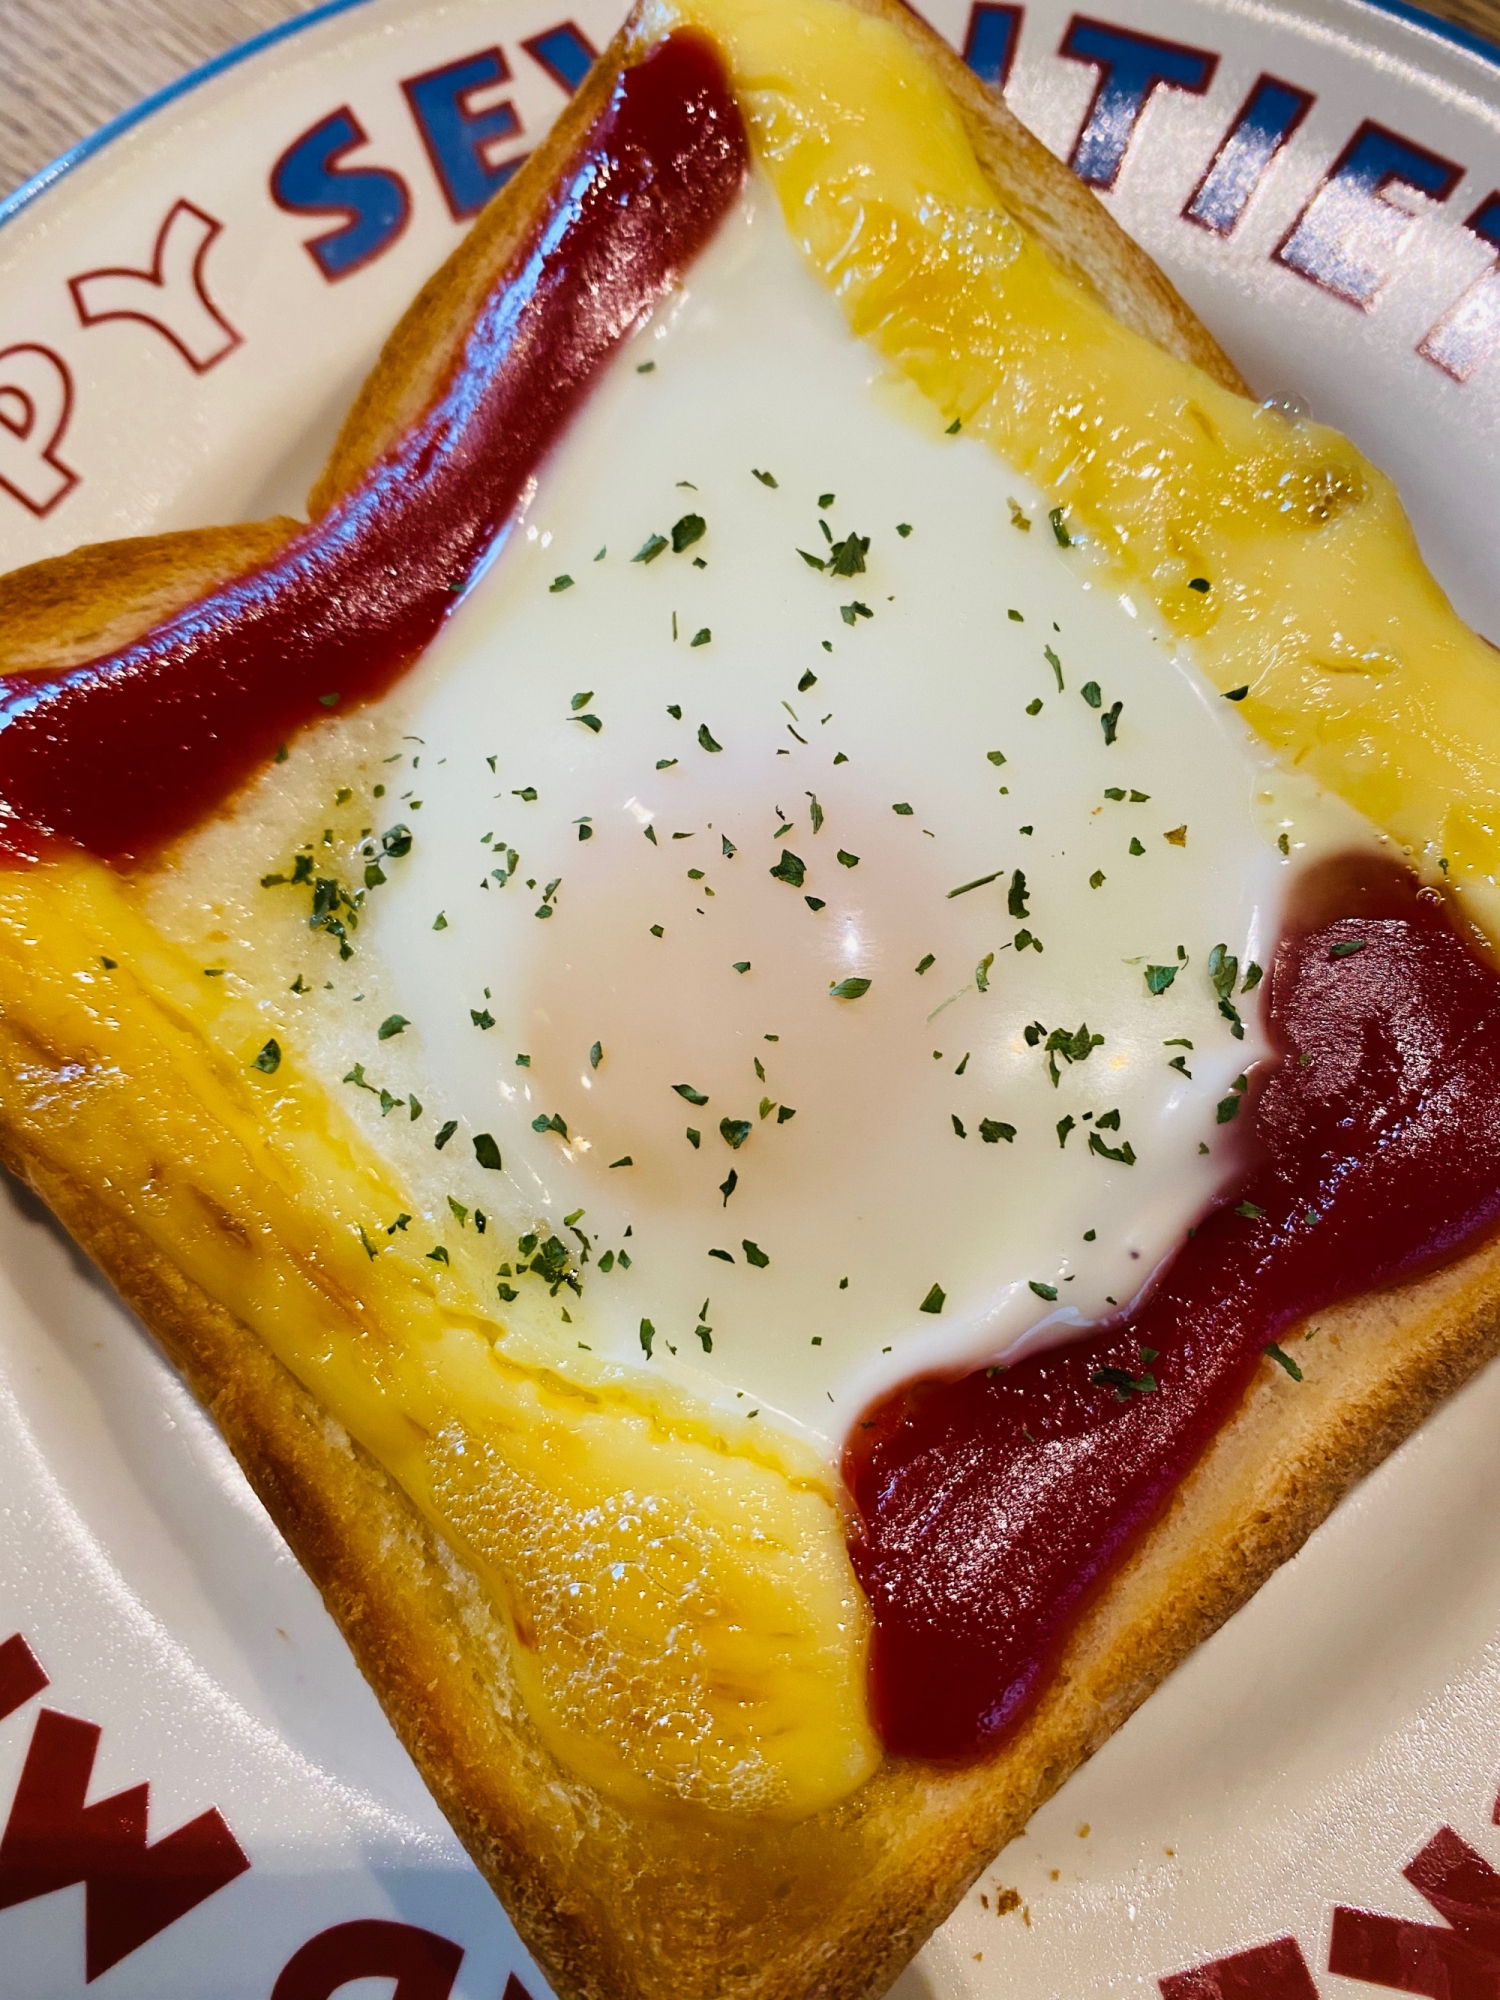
(615, 1895)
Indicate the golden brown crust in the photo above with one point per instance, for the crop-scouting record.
(622, 1907)
(98, 598)
(615, 1906)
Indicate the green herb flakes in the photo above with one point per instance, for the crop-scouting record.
(1047, 1292)
(487, 1152)
(560, 583)
(849, 989)
(1283, 1360)
(269, 1059)
(847, 558)
(1223, 970)
(734, 1132)
(934, 1301)
(1123, 1383)
(925, 964)
(446, 1134)
(993, 1130)
(391, 1025)
(754, 1254)
(705, 738)
(653, 545)
(978, 883)
(790, 869)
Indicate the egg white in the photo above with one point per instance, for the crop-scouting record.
(913, 1137)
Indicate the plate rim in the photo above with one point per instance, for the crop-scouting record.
(1417, 19)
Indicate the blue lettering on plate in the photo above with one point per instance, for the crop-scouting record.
(1263, 124)
(564, 52)
(308, 180)
(459, 141)
(1132, 67)
(990, 42)
(1349, 235)
(1469, 332)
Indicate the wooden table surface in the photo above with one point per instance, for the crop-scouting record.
(67, 65)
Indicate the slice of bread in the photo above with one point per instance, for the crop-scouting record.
(616, 1902)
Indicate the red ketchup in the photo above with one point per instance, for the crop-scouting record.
(122, 754)
(994, 1508)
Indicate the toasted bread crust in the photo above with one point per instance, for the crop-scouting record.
(621, 1906)
(96, 599)
(616, 1905)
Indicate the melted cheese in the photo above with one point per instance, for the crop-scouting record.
(593, 985)
(1358, 670)
(618, 1502)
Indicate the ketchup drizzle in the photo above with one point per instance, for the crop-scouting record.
(994, 1508)
(121, 754)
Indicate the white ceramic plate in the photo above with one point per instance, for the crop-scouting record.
(176, 347)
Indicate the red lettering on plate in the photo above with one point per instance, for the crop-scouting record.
(1348, 237)
(1274, 1971)
(21, 1675)
(423, 1965)
(36, 401)
(172, 297)
(1458, 1962)
(132, 1890)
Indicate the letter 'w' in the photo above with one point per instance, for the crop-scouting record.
(132, 1890)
